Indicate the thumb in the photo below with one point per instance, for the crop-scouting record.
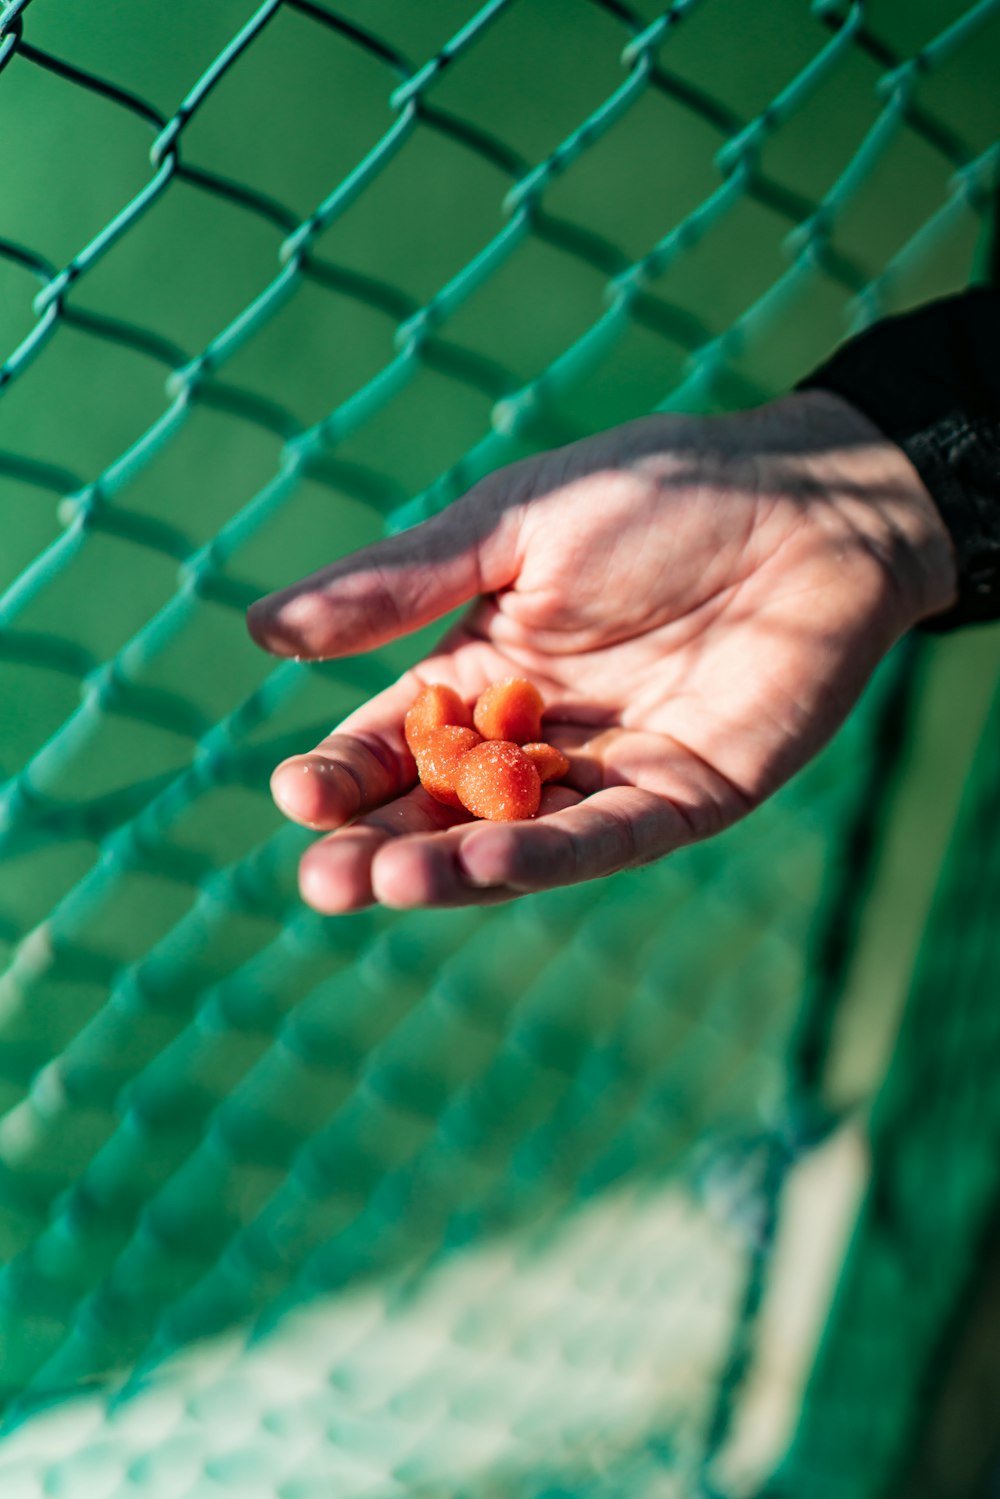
(396, 585)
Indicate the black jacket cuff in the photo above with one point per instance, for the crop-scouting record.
(930, 380)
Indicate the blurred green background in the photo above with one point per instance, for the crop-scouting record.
(217, 1109)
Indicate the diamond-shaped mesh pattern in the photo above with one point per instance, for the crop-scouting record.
(441, 1203)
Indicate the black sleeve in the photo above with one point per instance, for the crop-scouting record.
(931, 381)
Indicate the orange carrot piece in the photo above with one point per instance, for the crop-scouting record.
(511, 710)
(438, 754)
(550, 763)
(496, 780)
(435, 707)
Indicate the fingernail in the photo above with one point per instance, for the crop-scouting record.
(257, 617)
(483, 862)
(281, 626)
(299, 786)
(331, 882)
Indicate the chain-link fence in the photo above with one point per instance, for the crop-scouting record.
(460, 1202)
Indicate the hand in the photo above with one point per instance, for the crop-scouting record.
(699, 600)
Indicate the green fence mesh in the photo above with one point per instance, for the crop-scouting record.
(455, 1203)
(935, 1134)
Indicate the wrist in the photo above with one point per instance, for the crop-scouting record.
(873, 484)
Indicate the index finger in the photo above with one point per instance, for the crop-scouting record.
(362, 764)
(410, 864)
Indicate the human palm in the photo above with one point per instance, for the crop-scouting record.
(700, 602)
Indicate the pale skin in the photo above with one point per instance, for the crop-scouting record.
(700, 602)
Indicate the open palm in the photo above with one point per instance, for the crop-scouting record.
(699, 601)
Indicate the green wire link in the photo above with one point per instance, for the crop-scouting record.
(780, 110)
(406, 93)
(221, 1114)
(166, 142)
